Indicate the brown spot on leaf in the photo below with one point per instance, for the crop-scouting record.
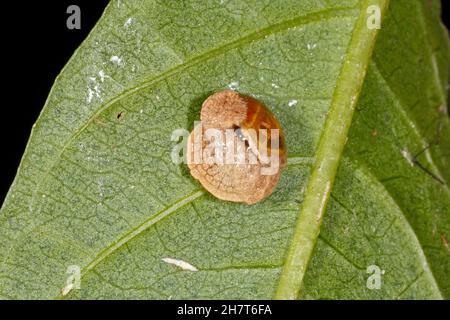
(442, 109)
(445, 242)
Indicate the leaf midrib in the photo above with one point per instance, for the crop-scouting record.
(292, 275)
(329, 153)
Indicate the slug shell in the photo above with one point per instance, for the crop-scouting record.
(248, 181)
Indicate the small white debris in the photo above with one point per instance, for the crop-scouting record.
(407, 155)
(116, 60)
(128, 22)
(90, 95)
(233, 85)
(292, 103)
(311, 46)
(66, 289)
(102, 75)
(97, 91)
(181, 264)
(274, 85)
(93, 92)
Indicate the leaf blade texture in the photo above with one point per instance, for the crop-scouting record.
(97, 189)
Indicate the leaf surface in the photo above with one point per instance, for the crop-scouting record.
(97, 189)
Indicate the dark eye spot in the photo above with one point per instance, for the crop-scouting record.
(240, 135)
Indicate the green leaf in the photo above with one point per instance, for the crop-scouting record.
(365, 189)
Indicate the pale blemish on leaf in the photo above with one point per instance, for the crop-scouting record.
(66, 289)
(116, 59)
(408, 156)
(181, 264)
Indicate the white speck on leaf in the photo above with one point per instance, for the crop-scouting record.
(93, 92)
(407, 155)
(101, 187)
(102, 75)
(234, 85)
(97, 91)
(292, 103)
(274, 85)
(90, 95)
(66, 289)
(116, 60)
(181, 264)
(128, 22)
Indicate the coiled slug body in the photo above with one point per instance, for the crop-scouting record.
(244, 159)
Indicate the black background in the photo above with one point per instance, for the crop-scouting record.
(35, 46)
(168, 309)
